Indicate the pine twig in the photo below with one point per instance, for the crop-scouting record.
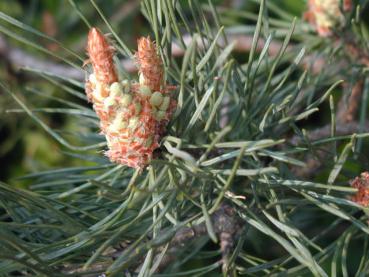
(18, 58)
(347, 110)
(313, 164)
(325, 131)
(227, 227)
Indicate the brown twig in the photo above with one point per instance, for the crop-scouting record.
(346, 124)
(314, 163)
(227, 227)
(358, 54)
(347, 109)
(17, 58)
(242, 43)
(325, 131)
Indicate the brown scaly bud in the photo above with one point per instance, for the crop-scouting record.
(150, 64)
(362, 185)
(133, 115)
(325, 15)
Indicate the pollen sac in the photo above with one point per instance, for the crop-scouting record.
(116, 89)
(133, 114)
(165, 104)
(126, 100)
(325, 15)
(160, 115)
(156, 99)
(145, 91)
(126, 86)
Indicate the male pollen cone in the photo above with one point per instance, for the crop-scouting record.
(101, 57)
(133, 115)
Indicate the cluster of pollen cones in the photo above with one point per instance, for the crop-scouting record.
(133, 115)
(325, 15)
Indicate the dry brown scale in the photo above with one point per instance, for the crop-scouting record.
(133, 115)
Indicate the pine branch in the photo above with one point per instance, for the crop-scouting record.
(94, 217)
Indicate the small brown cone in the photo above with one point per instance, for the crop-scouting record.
(362, 185)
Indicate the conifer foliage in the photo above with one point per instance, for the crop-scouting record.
(235, 144)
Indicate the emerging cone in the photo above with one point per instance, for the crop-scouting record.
(325, 15)
(133, 115)
(101, 57)
(150, 64)
(362, 185)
